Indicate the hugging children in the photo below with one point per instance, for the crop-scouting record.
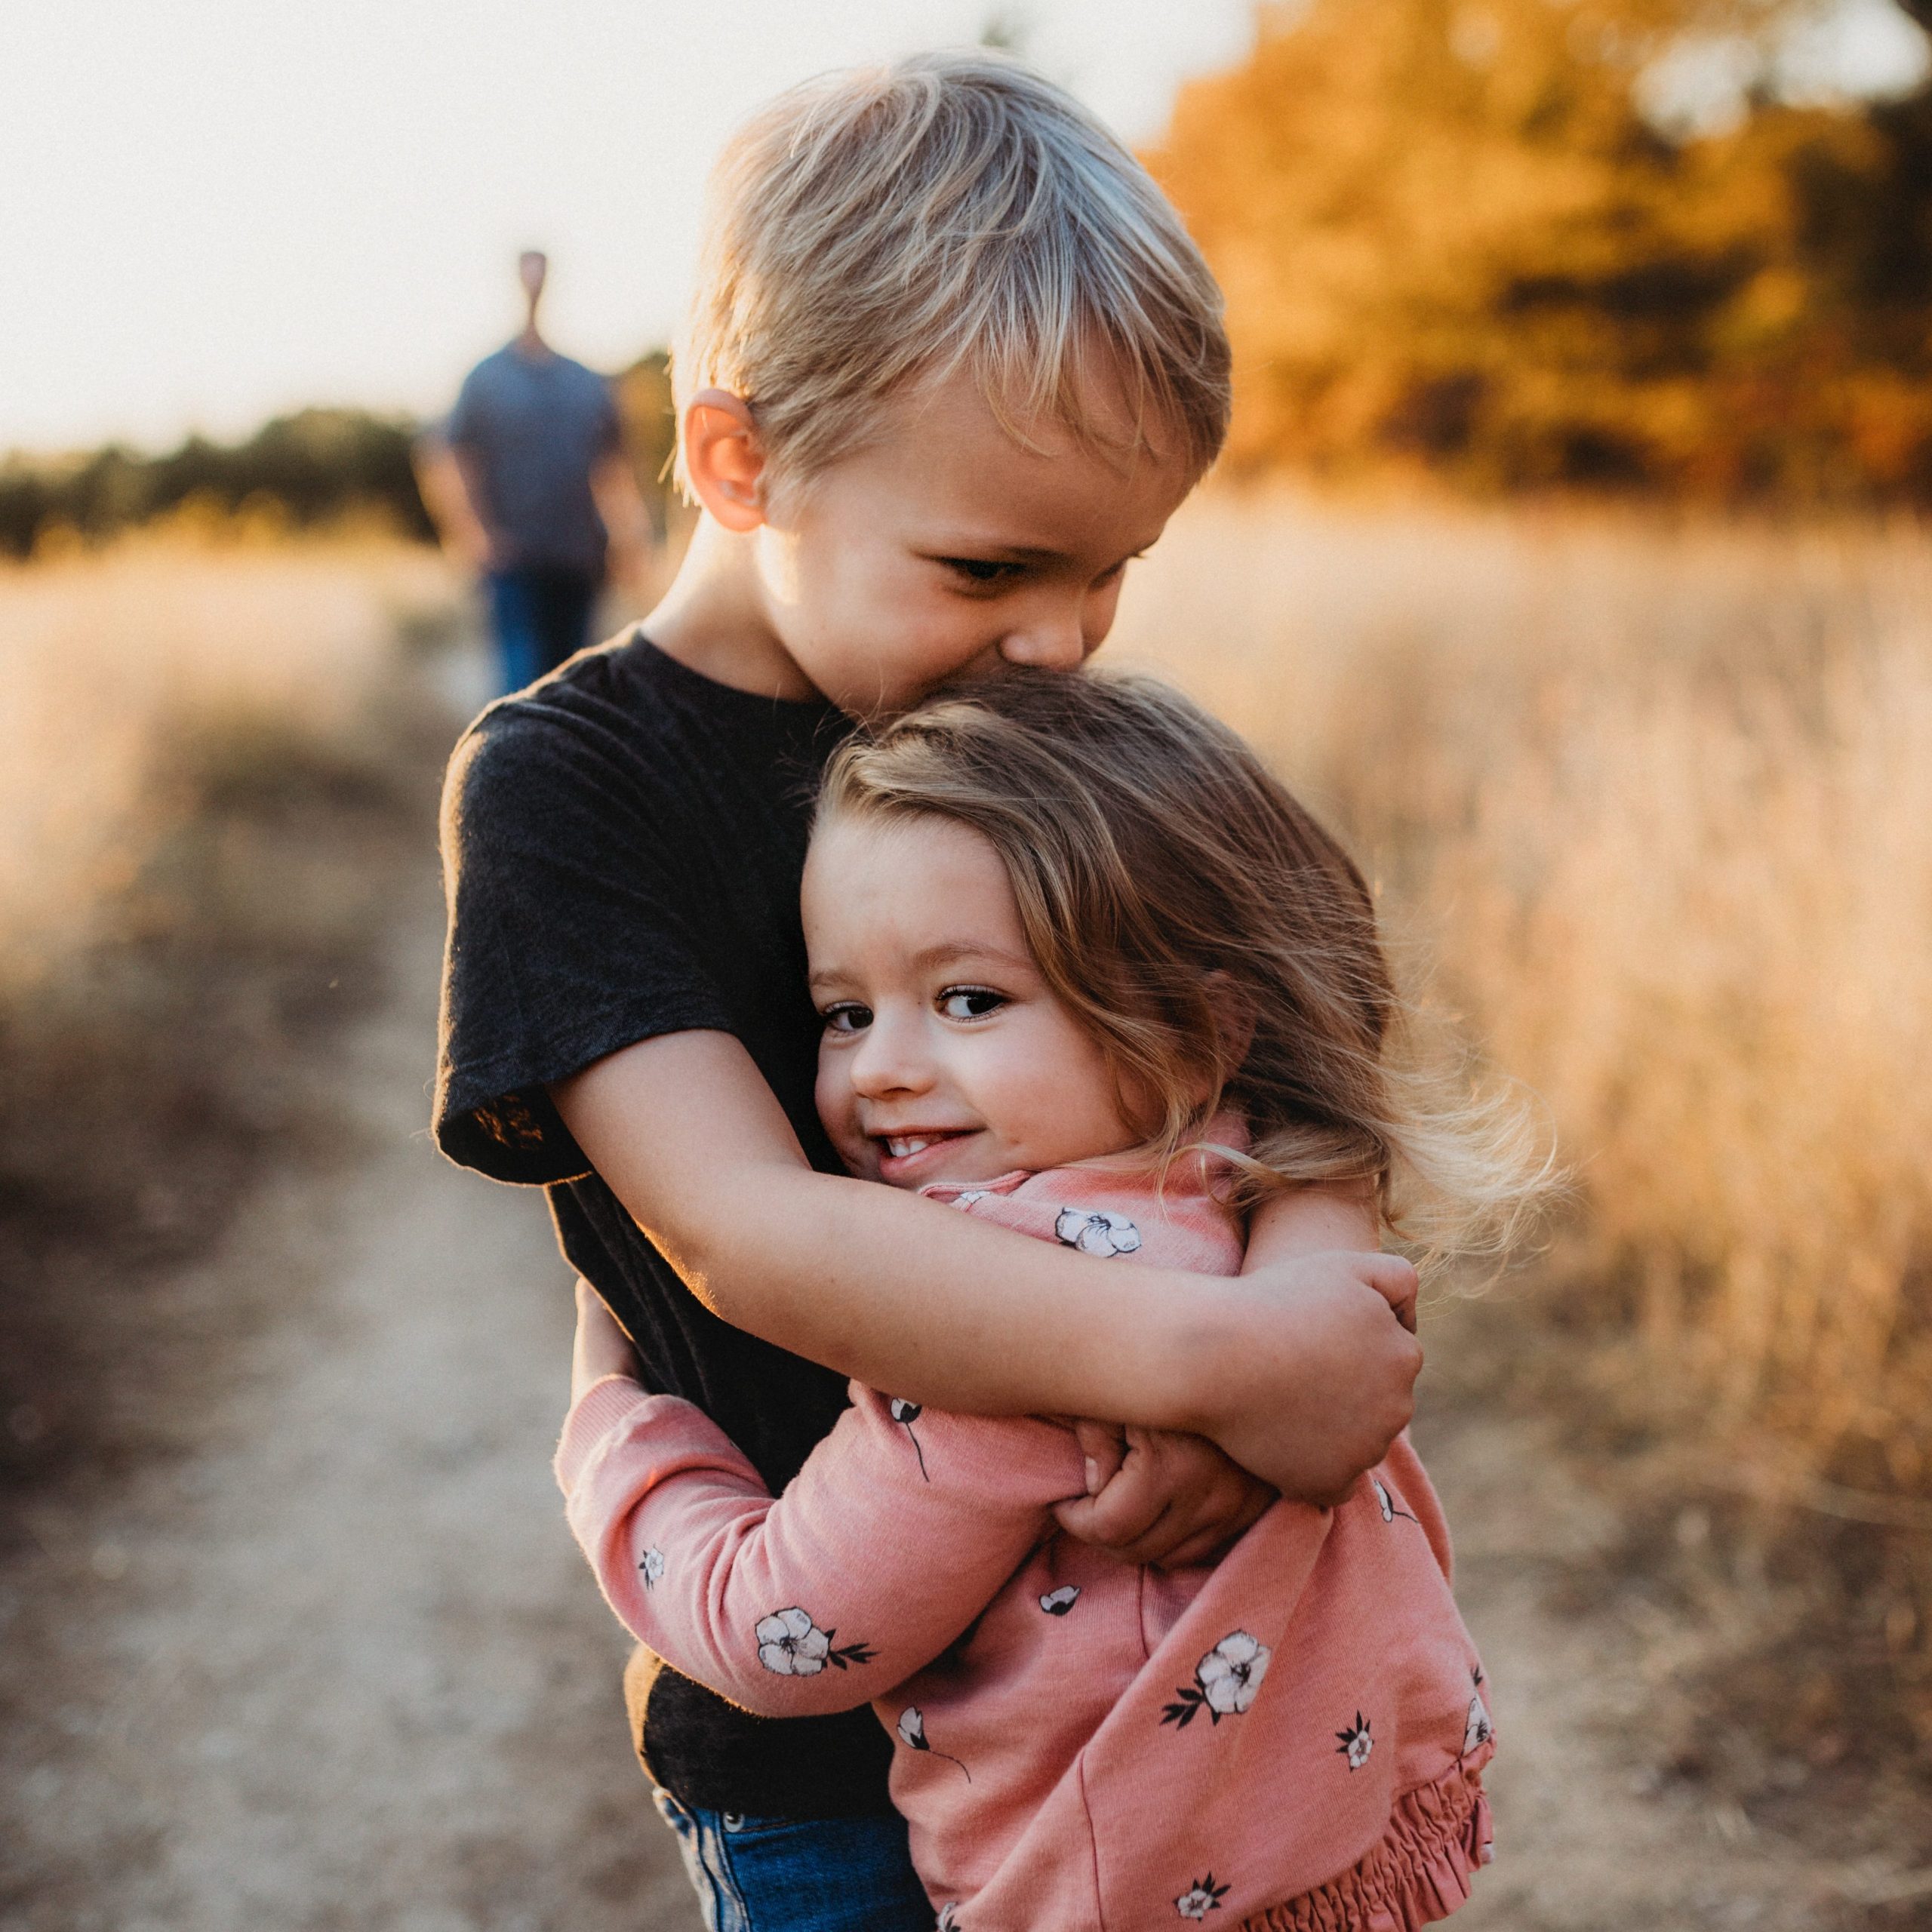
(952, 362)
(1086, 971)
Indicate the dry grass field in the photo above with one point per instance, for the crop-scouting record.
(122, 666)
(1650, 804)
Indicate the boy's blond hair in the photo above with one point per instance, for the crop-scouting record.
(876, 229)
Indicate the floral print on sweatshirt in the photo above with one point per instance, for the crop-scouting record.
(790, 1644)
(911, 1729)
(1095, 1232)
(1226, 1681)
(905, 1414)
(1201, 1898)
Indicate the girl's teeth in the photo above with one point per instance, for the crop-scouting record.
(900, 1150)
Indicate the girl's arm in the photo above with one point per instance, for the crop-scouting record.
(1301, 1373)
(897, 1532)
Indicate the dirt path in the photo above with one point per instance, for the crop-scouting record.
(339, 1666)
(342, 1666)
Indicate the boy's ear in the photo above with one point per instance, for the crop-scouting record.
(724, 458)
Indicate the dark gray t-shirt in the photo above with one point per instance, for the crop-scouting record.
(623, 844)
(531, 429)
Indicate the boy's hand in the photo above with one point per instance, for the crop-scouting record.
(1155, 1497)
(1309, 1373)
(602, 1347)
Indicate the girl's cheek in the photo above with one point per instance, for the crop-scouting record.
(832, 1095)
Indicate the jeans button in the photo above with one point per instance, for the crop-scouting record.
(734, 1821)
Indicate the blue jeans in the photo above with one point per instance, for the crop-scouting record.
(540, 617)
(799, 1875)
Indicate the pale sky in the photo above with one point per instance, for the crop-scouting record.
(219, 209)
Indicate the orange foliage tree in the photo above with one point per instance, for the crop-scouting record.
(1451, 235)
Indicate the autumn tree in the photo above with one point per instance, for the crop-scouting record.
(1466, 234)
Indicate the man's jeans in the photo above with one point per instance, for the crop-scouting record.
(799, 1875)
(539, 618)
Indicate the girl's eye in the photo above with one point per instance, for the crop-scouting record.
(849, 1017)
(982, 572)
(970, 1002)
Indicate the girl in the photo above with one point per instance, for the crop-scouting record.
(1087, 971)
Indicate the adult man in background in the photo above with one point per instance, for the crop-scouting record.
(528, 482)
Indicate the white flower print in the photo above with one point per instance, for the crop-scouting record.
(912, 1733)
(1057, 1603)
(1477, 1729)
(1226, 1681)
(1097, 1232)
(1386, 1502)
(790, 1644)
(948, 1917)
(966, 1200)
(1356, 1743)
(1201, 1898)
(905, 1414)
(651, 1566)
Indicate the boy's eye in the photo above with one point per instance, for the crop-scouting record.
(970, 1002)
(982, 572)
(848, 1017)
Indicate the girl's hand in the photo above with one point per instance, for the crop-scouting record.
(602, 1347)
(1155, 1497)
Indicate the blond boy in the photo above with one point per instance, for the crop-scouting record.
(953, 363)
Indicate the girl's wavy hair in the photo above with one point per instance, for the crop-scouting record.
(1213, 937)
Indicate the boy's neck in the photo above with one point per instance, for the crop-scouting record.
(713, 619)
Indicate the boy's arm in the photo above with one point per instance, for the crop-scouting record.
(1301, 1373)
(892, 1539)
(1156, 1496)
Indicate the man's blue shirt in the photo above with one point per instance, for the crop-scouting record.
(530, 429)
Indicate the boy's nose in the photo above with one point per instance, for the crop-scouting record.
(1061, 636)
(1055, 644)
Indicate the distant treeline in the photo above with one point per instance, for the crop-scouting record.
(1514, 243)
(316, 467)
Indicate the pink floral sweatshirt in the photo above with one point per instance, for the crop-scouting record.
(1291, 1738)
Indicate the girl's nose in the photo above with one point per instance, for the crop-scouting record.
(888, 1060)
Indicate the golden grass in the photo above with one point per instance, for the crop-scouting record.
(1658, 799)
(112, 661)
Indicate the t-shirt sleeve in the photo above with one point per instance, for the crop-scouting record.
(569, 935)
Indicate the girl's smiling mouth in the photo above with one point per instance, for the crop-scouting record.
(914, 1153)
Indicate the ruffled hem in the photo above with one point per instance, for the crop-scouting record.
(1438, 1837)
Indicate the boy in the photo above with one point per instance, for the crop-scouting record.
(953, 363)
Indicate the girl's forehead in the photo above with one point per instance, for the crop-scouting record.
(901, 851)
(917, 881)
